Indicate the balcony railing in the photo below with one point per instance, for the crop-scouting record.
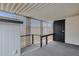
(41, 43)
(41, 38)
(32, 35)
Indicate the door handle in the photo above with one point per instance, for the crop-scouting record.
(63, 31)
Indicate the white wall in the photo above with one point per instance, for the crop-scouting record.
(9, 39)
(72, 30)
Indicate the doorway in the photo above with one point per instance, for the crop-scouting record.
(59, 30)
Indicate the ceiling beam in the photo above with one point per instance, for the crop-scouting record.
(7, 7)
(22, 7)
(17, 7)
(28, 6)
(12, 7)
(2, 6)
(31, 8)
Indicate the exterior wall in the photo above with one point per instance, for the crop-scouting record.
(9, 39)
(72, 30)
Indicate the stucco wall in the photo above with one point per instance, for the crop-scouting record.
(72, 30)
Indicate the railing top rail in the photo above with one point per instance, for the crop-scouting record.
(36, 35)
(30, 35)
(25, 35)
(47, 35)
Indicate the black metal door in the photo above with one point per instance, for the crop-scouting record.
(59, 30)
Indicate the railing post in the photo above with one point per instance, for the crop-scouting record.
(46, 40)
(32, 39)
(53, 36)
(41, 41)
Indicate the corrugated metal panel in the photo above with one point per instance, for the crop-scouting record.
(20, 7)
(41, 10)
(9, 39)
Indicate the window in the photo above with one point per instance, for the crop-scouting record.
(35, 26)
(35, 29)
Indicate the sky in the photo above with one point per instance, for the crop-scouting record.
(36, 23)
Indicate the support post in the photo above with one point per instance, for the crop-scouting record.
(32, 39)
(46, 40)
(41, 42)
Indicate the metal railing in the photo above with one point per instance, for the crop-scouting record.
(32, 35)
(41, 38)
(41, 43)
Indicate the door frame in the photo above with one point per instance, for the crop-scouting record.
(54, 30)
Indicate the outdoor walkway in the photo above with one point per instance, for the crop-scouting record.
(52, 49)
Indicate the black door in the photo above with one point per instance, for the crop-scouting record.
(59, 30)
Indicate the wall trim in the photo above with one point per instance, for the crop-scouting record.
(11, 21)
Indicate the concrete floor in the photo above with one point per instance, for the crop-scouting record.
(52, 49)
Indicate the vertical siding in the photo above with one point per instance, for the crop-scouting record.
(9, 39)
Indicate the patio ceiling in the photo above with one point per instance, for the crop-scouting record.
(43, 11)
